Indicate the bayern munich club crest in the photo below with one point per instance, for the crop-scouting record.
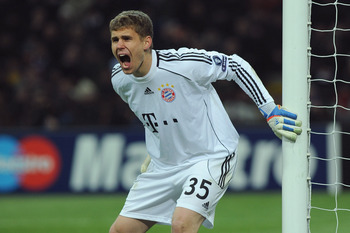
(167, 93)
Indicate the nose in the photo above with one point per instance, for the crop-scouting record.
(120, 44)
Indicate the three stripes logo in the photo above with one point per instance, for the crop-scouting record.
(148, 91)
(206, 205)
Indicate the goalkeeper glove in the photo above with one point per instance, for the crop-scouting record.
(145, 164)
(284, 123)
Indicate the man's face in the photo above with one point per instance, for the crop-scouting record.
(130, 49)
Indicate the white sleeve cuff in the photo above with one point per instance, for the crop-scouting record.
(267, 108)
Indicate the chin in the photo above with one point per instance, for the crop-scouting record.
(127, 71)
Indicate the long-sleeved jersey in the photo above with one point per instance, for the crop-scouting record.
(183, 116)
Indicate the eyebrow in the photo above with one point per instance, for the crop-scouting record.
(124, 37)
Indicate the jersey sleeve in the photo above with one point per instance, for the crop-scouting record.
(232, 68)
(244, 75)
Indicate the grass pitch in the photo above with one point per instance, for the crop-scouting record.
(237, 212)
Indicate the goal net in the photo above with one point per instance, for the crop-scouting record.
(329, 107)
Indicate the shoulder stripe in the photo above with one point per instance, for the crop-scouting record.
(186, 59)
(115, 71)
(190, 56)
(248, 82)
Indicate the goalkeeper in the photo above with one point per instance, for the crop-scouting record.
(189, 137)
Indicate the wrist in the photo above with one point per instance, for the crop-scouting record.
(266, 109)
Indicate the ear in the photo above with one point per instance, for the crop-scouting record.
(147, 42)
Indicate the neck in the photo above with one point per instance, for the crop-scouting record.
(145, 65)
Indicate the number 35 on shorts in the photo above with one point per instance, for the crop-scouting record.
(200, 188)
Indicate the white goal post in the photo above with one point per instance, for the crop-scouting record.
(295, 98)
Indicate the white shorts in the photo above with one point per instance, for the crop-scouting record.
(197, 187)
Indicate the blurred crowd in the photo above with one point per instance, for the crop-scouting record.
(56, 60)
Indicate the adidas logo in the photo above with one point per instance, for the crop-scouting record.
(206, 205)
(148, 91)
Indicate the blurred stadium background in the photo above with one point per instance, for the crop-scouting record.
(56, 57)
(70, 148)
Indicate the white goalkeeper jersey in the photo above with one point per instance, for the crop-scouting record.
(183, 116)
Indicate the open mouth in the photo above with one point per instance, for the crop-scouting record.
(124, 60)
